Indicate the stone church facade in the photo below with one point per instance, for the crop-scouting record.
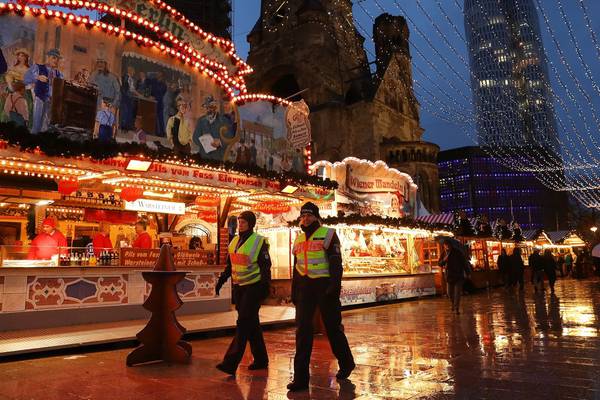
(311, 50)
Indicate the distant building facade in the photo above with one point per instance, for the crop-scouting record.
(477, 183)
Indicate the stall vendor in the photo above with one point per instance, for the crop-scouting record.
(143, 239)
(101, 240)
(48, 243)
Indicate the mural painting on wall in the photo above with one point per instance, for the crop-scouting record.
(85, 84)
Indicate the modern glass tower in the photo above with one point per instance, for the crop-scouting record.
(513, 106)
(509, 77)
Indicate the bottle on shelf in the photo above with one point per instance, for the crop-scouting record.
(72, 261)
(93, 261)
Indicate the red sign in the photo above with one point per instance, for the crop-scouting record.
(208, 216)
(67, 187)
(207, 200)
(131, 194)
(273, 207)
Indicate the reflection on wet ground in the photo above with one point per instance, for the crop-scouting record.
(502, 346)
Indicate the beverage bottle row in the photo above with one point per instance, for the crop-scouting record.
(83, 259)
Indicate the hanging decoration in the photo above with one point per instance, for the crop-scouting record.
(131, 193)
(67, 186)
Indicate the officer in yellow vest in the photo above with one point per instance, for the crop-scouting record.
(316, 283)
(249, 266)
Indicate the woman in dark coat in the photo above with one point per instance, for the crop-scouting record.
(550, 268)
(455, 262)
(504, 268)
(517, 269)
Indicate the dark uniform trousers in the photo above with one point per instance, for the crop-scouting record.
(310, 295)
(247, 303)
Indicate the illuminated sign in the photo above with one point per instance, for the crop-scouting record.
(157, 206)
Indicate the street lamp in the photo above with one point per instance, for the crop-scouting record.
(594, 229)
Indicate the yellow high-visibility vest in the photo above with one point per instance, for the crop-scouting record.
(311, 257)
(244, 260)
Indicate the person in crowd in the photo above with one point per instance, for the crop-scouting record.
(455, 262)
(550, 268)
(101, 240)
(196, 243)
(41, 77)
(517, 269)
(560, 265)
(16, 107)
(104, 128)
(569, 261)
(107, 83)
(504, 268)
(249, 266)
(143, 239)
(536, 263)
(48, 243)
(317, 283)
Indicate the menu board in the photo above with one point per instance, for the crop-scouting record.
(183, 258)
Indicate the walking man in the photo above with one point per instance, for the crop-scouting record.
(249, 265)
(316, 283)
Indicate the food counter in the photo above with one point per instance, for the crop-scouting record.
(35, 294)
(380, 263)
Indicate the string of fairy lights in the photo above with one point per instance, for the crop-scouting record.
(583, 183)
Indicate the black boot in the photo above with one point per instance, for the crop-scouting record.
(225, 368)
(345, 372)
(296, 386)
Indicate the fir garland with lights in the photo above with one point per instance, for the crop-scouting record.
(54, 144)
(356, 219)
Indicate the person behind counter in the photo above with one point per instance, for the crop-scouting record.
(196, 243)
(101, 240)
(48, 242)
(143, 239)
(317, 283)
(249, 265)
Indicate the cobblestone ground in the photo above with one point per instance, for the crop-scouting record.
(502, 346)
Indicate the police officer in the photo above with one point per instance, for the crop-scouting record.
(316, 283)
(249, 266)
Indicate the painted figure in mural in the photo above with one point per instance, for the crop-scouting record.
(158, 88)
(297, 161)
(16, 107)
(41, 77)
(170, 101)
(140, 85)
(128, 108)
(211, 129)
(106, 82)
(179, 128)
(140, 134)
(82, 77)
(105, 122)
(3, 64)
(16, 73)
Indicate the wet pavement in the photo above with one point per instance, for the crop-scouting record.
(502, 346)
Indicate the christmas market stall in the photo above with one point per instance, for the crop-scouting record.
(387, 255)
(122, 134)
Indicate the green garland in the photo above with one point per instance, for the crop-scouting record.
(404, 222)
(55, 145)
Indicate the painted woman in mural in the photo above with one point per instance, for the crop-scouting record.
(211, 130)
(16, 107)
(16, 73)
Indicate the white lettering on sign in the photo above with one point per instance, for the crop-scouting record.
(164, 207)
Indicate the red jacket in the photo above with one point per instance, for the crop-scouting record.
(44, 246)
(143, 241)
(101, 242)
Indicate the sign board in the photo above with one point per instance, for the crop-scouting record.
(296, 118)
(374, 290)
(183, 258)
(157, 206)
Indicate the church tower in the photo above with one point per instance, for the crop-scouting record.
(311, 50)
